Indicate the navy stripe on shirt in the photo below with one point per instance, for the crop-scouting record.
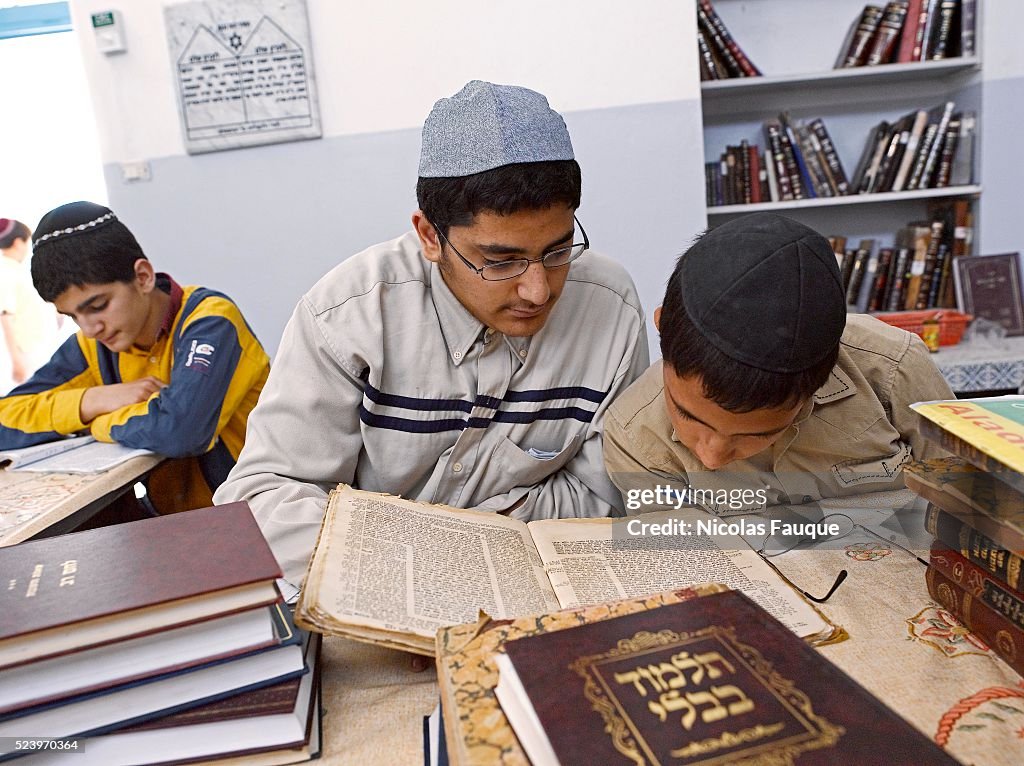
(416, 404)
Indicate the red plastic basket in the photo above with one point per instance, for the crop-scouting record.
(952, 323)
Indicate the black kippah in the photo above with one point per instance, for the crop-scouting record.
(70, 220)
(765, 291)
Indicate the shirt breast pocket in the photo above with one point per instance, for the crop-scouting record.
(884, 470)
(522, 469)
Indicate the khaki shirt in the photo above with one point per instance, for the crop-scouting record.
(854, 436)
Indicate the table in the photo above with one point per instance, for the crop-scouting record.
(975, 367)
(46, 504)
(903, 648)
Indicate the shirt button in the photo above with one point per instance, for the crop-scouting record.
(456, 355)
(457, 468)
(152, 360)
(522, 353)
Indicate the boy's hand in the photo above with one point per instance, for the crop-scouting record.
(99, 400)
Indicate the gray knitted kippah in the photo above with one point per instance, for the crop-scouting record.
(485, 126)
(766, 291)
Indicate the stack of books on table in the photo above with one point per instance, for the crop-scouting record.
(976, 515)
(699, 675)
(155, 642)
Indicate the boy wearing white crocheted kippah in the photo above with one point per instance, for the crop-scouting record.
(154, 365)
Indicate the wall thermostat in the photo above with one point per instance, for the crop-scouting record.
(109, 32)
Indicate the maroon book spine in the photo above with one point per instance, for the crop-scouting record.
(917, 14)
(883, 45)
(746, 65)
(978, 548)
(860, 43)
(1004, 637)
(994, 592)
(719, 46)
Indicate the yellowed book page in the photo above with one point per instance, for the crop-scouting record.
(400, 566)
(594, 560)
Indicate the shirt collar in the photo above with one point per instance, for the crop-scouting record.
(459, 327)
(166, 283)
(838, 386)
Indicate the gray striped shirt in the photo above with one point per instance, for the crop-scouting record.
(384, 381)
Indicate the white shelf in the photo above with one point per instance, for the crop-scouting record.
(853, 199)
(742, 94)
(924, 70)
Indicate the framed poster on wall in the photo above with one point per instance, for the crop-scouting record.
(243, 72)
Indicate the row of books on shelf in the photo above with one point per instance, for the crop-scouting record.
(929, 266)
(160, 641)
(902, 31)
(976, 517)
(924, 149)
(910, 30)
(917, 271)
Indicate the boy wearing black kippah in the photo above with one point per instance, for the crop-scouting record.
(767, 389)
(154, 365)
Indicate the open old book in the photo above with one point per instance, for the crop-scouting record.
(75, 454)
(393, 571)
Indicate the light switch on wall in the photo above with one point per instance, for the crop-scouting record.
(108, 29)
(135, 171)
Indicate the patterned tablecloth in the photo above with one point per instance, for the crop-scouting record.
(906, 649)
(976, 366)
(903, 647)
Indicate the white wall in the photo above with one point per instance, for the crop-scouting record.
(47, 129)
(264, 223)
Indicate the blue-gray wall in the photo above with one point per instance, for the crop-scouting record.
(263, 224)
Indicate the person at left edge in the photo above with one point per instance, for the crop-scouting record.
(154, 365)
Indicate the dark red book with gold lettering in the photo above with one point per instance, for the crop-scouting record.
(994, 616)
(713, 680)
(89, 588)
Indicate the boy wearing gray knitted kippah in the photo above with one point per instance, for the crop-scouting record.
(469, 361)
(768, 393)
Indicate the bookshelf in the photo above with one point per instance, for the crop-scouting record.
(795, 43)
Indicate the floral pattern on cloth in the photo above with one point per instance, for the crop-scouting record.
(993, 716)
(867, 551)
(936, 627)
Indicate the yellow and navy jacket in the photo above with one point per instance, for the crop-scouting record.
(214, 366)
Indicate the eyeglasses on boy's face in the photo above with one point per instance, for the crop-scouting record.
(514, 267)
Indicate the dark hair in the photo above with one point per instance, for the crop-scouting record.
(20, 231)
(504, 190)
(732, 385)
(104, 255)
